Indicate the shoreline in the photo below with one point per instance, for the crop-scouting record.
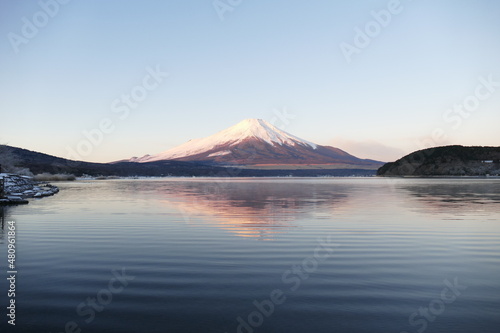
(16, 189)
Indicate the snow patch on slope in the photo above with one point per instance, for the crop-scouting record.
(220, 153)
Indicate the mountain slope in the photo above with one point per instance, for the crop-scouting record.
(446, 161)
(256, 142)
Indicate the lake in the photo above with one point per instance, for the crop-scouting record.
(258, 255)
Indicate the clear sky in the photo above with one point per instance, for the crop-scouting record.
(379, 79)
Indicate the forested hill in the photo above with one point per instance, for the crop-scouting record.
(446, 161)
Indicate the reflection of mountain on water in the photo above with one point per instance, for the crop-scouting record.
(459, 196)
(252, 208)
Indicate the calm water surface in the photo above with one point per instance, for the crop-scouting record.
(258, 255)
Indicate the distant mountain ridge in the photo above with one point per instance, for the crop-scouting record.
(43, 163)
(446, 161)
(256, 142)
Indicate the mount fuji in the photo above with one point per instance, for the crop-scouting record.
(256, 142)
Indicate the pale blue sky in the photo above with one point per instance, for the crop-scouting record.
(263, 58)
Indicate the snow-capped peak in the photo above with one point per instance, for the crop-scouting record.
(262, 130)
(246, 129)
